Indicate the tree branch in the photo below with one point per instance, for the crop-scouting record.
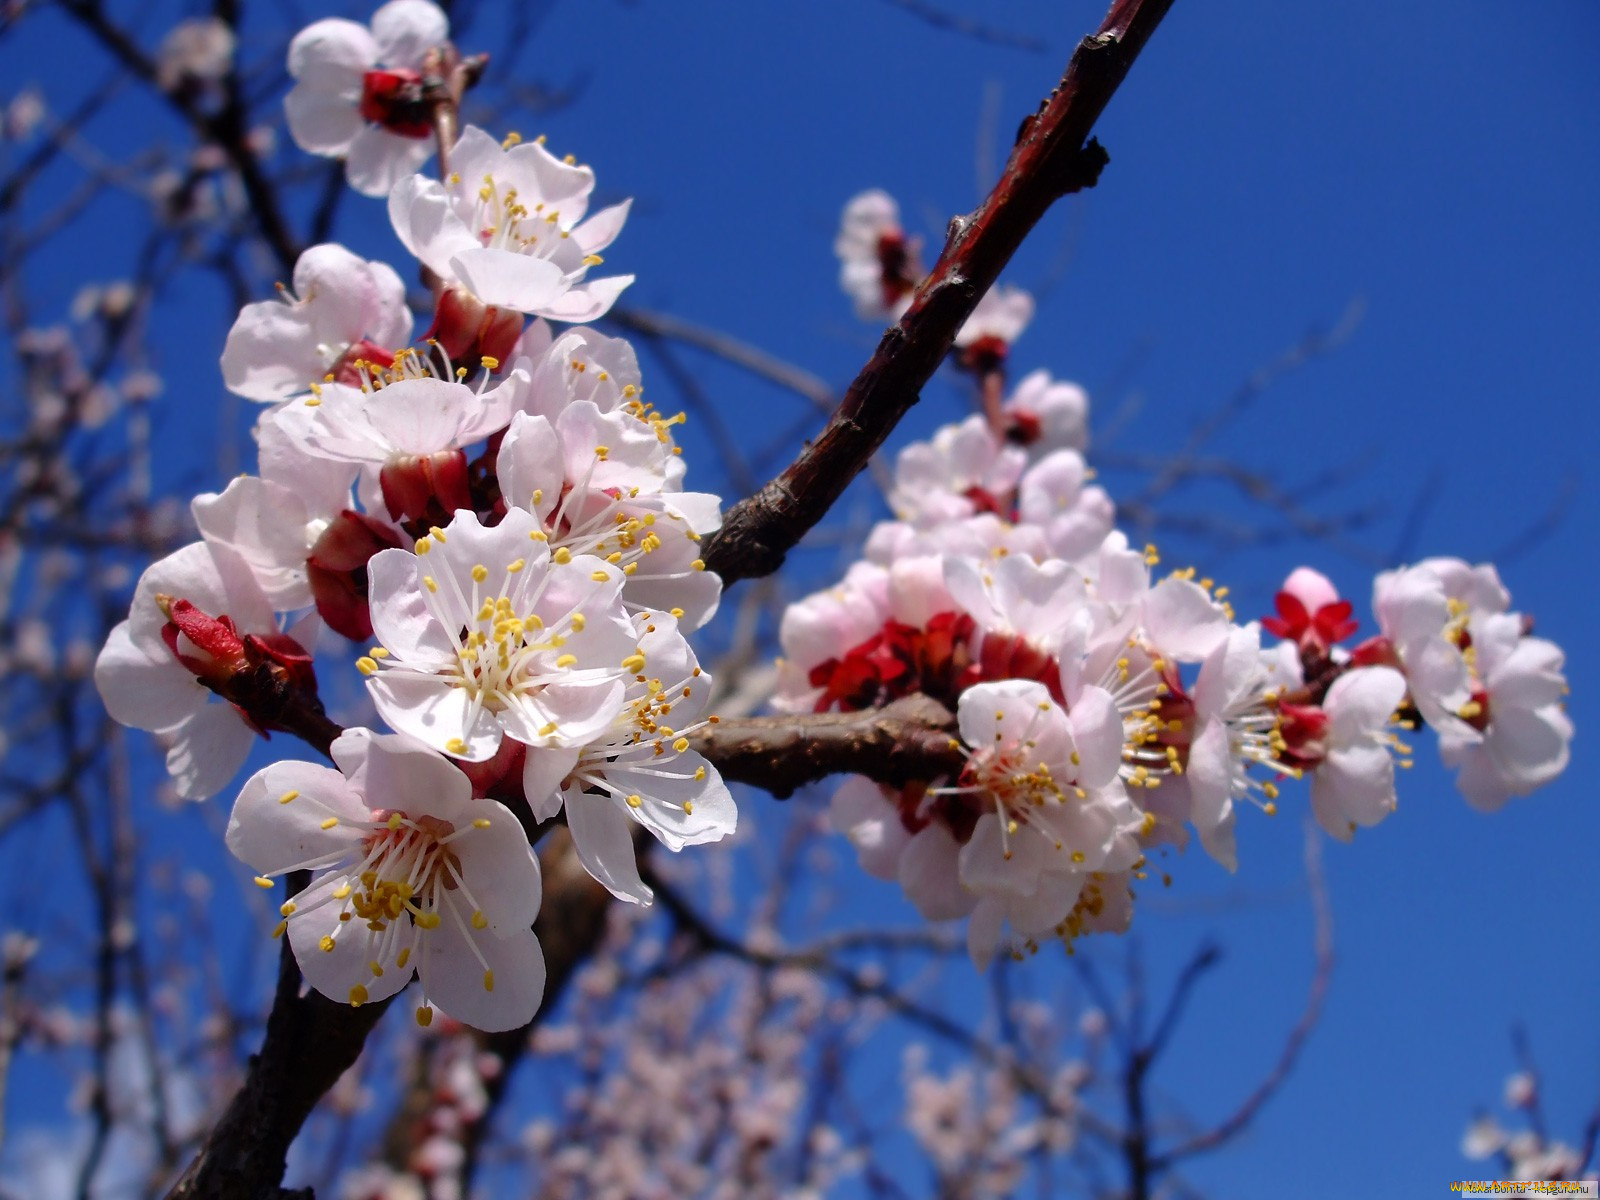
(904, 741)
(1053, 157)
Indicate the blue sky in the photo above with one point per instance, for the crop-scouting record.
(1436, 161)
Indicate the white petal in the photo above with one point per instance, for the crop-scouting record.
(395, 772)
(272, 836)
(435, 713)
(401, 617)
(453, 977)
(323, 120)
(331, 45)
(1360, 702)
(506, 279)
(543, 769)
(377, 159)
(500, 869)
(405, 30)
(426, 224)
(1182, 621)
(601, 229)
(348, 964)
(603, 838)
(587, 301)
(207, 751)
(143, 691)
(929, 875)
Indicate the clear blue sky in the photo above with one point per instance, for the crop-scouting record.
(1270, 163)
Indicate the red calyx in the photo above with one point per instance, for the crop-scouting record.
(1305, 729)
(1023, 428)
(1329, 624)
(337, 568)
(470, 330)
(428, 487)
(395, 100)
(986, 502)
(983, 356)
(345, 371)
(894, 261)
(898, 661)
(1008, 656)
(215, 652)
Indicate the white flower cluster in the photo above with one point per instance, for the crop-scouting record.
(1104, 709)
(496, 513)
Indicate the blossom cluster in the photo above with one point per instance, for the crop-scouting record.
(493, 512)
(1104, 707)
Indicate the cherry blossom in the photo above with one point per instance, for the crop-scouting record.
(1047, 414)
(358, 91)
(640, 770)
(484, 634)
(985, 339)
(1235, 729)
(508, 227)
(413, 875)
(196, 614)
(341, 307)
(1518, 732)
(1353, 785)
(409, 439)
(1056, 808)
(1310, 612)
(962, 471)
(603, 484)
(877, 263)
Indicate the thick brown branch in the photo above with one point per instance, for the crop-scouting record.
(1052, 158)
(909, 739)
(310, 1041)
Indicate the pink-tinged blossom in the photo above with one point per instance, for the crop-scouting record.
(508, 226)
(1235, 729)
(406, 429)
(1353, 785)
(1047, 414)
(1053, 808)
(1518, 735)
(1310, 612)
(581, 364)
(985, 339)
(877, 263)
(639, 770)
(412, 875)
(485, 634)
(358, 92)
(603, 484)
(1021, 609)
(984, 535)
(865, 812)
(964, 470)
(822, 627)
(1074, 518)
(1423, 612)
(340, 305)
(149, 673)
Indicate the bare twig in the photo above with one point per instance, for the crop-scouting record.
(954, 22)
(1052, 158)
(1235, 1124)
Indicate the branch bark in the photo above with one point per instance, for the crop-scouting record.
(1053, 157)
(904, 741)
